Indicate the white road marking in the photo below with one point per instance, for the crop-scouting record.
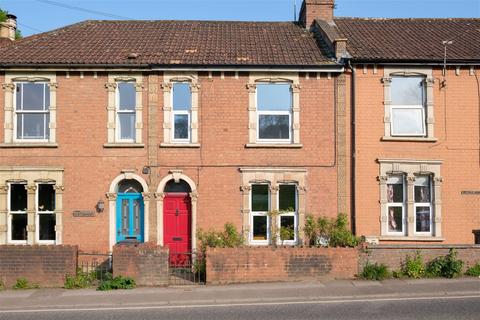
(254, 304)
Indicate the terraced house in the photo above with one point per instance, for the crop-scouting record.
(150, 130)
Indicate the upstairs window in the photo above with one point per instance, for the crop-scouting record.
(274, 112)
(408, 106)
(423, 205)
(32, 114)
(126, 113)
(181, 115)
(396, 204)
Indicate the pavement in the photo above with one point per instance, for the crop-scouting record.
(38, 300)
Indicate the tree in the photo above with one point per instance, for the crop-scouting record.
(3, 18)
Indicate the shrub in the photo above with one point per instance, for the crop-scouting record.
(116, 283)
(287, 234)
(23, 283)
(81, 280)
(414, 267)
(473, 271)
(375, 272)
(447, 266)
(228, 238)
(328, 232)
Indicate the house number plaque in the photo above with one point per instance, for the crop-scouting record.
(83, 213)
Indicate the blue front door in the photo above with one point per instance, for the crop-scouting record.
(129, 217)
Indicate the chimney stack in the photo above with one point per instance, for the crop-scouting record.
(316, 9)
(8, 28)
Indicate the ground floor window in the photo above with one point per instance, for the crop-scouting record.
(45, 213)
(17, 213)
(287, 205)
(260, 206)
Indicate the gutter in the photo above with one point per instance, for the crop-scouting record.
(352, 148)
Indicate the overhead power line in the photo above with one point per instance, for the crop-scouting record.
(67, 6)
(29, 27)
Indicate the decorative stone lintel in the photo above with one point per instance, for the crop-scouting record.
(159, 195)
(176, 174)
(111, 196)
(146, 196)
(194, 195)
(9, 87)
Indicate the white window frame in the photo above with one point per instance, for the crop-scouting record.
(181, 112)
(118, 112)
(260, 214)
(424, 204)
(10, 213)
(428, 103)
(275, 112)
(37, 217)
(16, 113)
(293, 214)
(409, 107)
(402, 205)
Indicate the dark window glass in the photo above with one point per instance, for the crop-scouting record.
(395, 192)
(129, 186)
(259, 228)
(18, 197)
(19, 226)
(127, 95)
(181, 126)
(47, 226)
(287, 225)
(260, 197)
(422, 189)
(423, 219)
(274, 126)
(181, 186)
(182, 96)
(287, 197)
(46, 197)
(274, 97)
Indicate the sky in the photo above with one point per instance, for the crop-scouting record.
(36, 16)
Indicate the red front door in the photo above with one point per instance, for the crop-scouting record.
(177, 225)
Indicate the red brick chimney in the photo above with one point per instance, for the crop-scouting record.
(316, 9)
(9, 27)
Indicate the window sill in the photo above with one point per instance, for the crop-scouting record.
(275, 145)
(29, 145)
(180, 145)
(412, 238)
(409, 139)
(124, 145)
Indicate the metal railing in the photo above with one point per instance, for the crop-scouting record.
(98, 263)
(186, 268)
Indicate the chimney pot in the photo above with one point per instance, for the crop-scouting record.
(316, 9)
(8, 28)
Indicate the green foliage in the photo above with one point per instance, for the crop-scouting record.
(473, 271)
(414, 267)
(116, 283)
(81, 280)
(375, 272)
(228, 238)
(330, 232)
(447, 266)
(2, 285)
(3, 15)
(287, 233)
(23, 283)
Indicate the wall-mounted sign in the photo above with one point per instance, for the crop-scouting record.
(471, 193)
(83, 213)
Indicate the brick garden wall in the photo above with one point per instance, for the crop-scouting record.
(46, 266)
(253, 264)
(394, 255)
(146, 263)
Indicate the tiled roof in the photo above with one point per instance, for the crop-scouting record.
(411, 39)
(166, 43)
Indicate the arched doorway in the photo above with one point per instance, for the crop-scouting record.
(130, 211)
(177, 220)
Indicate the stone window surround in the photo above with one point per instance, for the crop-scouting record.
(111, 86)
(167, 86)
(410, 169)
(294, 80)
(273, 177)
(429, 112)
(31, 177)
(10, 125)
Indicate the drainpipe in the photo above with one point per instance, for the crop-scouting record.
(352, 150)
